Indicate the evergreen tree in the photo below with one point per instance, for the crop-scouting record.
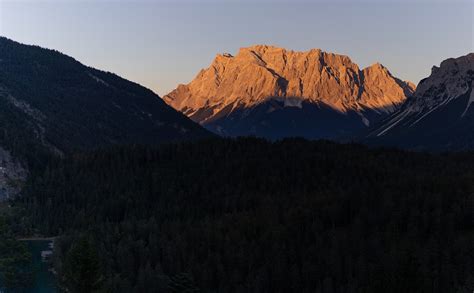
(82, 268)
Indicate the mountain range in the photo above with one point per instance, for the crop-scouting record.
(51, 103)
(273, 92)
(130, 212)
(439, 115)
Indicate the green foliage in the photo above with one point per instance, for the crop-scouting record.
(82, 271)
(15, 259)
(247, 215)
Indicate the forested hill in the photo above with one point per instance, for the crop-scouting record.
(248, 215)
(50, 101)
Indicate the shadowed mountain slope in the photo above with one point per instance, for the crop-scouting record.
(51, 101)
(440, 114)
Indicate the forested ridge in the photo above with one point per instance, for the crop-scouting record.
(247, 215)
(51, 103)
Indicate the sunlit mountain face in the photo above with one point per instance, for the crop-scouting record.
(274, 93)
(275, 169)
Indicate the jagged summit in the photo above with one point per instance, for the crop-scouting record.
(260, 74)
(440, 113)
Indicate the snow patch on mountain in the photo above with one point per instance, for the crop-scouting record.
(471, 100)
(439, 93)
(394, 122)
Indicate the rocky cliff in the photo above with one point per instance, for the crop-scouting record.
(439, 115)
(261, 74)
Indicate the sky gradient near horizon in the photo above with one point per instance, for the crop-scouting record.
(162, 43)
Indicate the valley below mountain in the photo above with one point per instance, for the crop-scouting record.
(144, 199)
(249, 215)
(162, 146)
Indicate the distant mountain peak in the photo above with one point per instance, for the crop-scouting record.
(450, 80)
(440, 113)
(261, 73)
(378, 67)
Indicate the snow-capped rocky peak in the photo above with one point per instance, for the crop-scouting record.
(441, 111)
(452, 79)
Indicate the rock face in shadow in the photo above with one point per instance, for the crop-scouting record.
(12, 175)
(244, 94)
(439, 115)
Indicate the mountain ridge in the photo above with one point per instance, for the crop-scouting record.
(51, 104)
(47, 86)
(261, 73)
(439, 115)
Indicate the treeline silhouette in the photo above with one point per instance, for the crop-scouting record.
(247, 215)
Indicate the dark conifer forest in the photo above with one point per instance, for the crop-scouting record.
(15, 258)
(248, 215)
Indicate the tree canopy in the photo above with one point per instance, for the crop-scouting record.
(248, 215)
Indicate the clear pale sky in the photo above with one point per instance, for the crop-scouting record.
(160, 44)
